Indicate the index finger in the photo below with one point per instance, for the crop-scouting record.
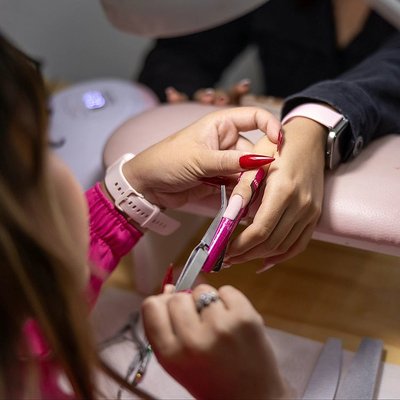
(244, 119)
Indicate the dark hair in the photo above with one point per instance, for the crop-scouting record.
(36, 270)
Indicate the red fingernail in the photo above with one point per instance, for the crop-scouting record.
(168, 277)
(250, 161)
(280, 141)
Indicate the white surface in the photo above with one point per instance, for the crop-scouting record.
(76, 42)
(167, 18)
(296, 355)
(73, 38)
(80, 134)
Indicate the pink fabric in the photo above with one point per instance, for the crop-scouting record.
(111, 237)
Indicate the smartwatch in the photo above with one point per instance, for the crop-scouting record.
(133, 204)
(334, 121)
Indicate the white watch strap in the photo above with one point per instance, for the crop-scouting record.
(133, 203)
(317, 112)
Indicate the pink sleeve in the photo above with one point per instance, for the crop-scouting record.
(111, 237)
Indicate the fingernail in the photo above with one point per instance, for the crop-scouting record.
(266, 267)
(245, 82)
(251, 161)
(209, 91)
(235, 204)
(280, 141)
(226, 265)
(168, 288)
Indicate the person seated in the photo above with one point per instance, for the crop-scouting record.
(49, 229)
(324, 60)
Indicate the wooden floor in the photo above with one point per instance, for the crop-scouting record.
(326, 291)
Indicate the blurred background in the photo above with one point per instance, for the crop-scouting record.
(76, 42)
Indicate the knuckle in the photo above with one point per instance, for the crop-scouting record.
(149, 303)
(249, 323)
(310, 206)
(225, 161)
(223, 332)
(168, 351)
(203, 287)
(227, 290)
(287, 188)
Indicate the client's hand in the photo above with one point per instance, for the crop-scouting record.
(216, 351)
(292, 200)
(171, 172)
(217, 97)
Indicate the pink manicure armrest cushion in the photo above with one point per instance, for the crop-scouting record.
(362, 197)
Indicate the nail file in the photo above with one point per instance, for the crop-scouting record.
(362, 375)
(326, 374)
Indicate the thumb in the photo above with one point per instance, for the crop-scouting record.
(227, 162)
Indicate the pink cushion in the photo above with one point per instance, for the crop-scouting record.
(361, 207)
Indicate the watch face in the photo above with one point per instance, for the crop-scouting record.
(333, 155)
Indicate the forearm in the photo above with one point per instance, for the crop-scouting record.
(368, 95)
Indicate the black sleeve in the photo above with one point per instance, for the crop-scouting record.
(195, 61)
(367, 95)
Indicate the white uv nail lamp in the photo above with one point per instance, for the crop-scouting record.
(84, 116)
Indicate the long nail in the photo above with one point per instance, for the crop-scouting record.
(280, 141)
(251, 161)
(235, 204)
(266, 267)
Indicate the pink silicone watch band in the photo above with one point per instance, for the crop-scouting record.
(317, 112)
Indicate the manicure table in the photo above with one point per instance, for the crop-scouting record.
(361, 205)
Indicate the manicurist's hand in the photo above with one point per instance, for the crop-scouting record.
(172, 172)
(292, 199)
(216, 351)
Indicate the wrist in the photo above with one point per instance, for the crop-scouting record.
(107, 194)
(132, 203)
(335, 122)
(301, 132)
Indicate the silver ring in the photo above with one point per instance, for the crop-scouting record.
(205, 300)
